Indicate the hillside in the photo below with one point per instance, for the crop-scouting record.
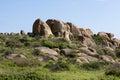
(57, 50)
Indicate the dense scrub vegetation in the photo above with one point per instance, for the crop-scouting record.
(66, 68)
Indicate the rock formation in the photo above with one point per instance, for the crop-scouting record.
(68, 40)
(85, 39)
(41, 28)
(59, 28)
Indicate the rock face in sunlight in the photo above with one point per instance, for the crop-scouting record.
(41, 28)
(71, 32)
(59, 28)
(61, 39)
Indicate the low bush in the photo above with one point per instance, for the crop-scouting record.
(113, 70)
(72, 54)
(23, 76)
(58, 66)
(109, 52)
(98, 39)
(13, 42)
(8, 51)
(7, 63)
(91, 66)
(105, 51)
(61, 40)
(49, 44)
(117, 52)
(36, 52)
(49, 64)
(63, 45)
(100, 51)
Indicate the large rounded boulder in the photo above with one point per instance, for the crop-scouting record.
(41, 28)
(59, 28)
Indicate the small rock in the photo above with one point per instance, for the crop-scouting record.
(107, 58)
(46, 50)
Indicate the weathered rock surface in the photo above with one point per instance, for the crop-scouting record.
(89, 51)
(86, 59)
(73, 29)
(46, 50)
(59, 28)
(107, 58)
(106, 35)
(67, 51)
(12, 56)
(41, 28)
(85, 37)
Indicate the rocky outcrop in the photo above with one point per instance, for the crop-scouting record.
(106, 35)
(13, 56)
(107, 58)
(59, 28)
(85, 37)
(66, 52)
(46, 50)
(41, 28)
(73, 29)
(108, 40)
(67, 30)
(82, 46)
(84, 40)
(84, 58)
(89, 51)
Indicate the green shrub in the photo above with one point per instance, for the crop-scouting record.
(105, 51)
(117, 51)
(13, 43)
(91, 66)
(72, 54)
(63, 45)
(8, 51)
(112, 54)
(32, 75)
(100, 51)
(62, 40)
(34, 63)
(36, 52)
(50, 44)
(23, 40)
(113, 72)
(109, 52)
(98, 39)
(10, 43)
(36, 44)
(27, 44)
(49, 64)
(7, 63)
(60, 66)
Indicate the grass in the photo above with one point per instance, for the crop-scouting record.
(33, 69)
(10, 71)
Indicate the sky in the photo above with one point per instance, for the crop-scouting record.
(98, 15)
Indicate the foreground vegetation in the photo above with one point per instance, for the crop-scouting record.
(66, 68)
(10, 71)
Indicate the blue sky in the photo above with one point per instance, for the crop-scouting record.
(98, 15)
